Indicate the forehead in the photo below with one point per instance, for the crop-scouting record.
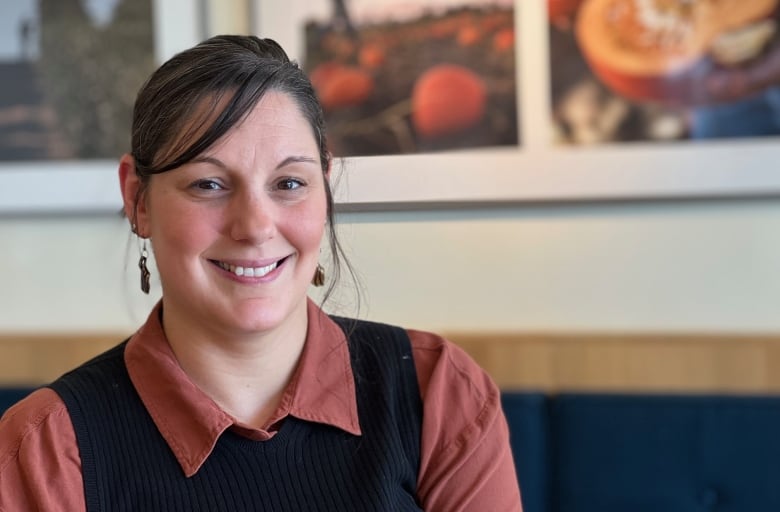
(272, 133)
(274, 112)
(273, 106)
(276, 108)
(275, 117)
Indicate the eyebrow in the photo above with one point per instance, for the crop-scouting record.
(296, 159)
(287, 161)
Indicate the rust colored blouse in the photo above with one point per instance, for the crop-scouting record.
(466, 462)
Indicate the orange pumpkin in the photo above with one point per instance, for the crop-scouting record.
(504, 40)
(371, 56)
(661, 54)
(469, 36)
(447, 99)
(322, 73)
(340, 86)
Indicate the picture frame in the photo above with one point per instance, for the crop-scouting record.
(536, 170)
(91, 186)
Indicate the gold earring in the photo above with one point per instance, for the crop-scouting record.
(319, 276)
(145, 274)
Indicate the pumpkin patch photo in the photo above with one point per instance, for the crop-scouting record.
(664, 70)
(396, 76)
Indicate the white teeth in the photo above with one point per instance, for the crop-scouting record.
(248, 271)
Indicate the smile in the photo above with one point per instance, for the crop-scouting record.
(247, 271)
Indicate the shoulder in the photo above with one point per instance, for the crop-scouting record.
(465, 457)
(437, 360)
(440, 360)
(40, 417)
(40, 466)
(450, 380)
(383, 342)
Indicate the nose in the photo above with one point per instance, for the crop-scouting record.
(252, 218)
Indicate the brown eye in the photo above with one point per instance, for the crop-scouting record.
(207, 185)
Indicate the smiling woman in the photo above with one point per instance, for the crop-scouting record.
(239, 393)
(237, 208)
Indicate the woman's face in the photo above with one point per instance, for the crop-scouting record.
(236, 232)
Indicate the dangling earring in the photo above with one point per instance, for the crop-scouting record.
(145, 274)
(319, 276)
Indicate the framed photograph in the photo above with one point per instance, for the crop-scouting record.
(71, 70)
(399, 78)
(513, 149)
(626, 71)
(538, 168)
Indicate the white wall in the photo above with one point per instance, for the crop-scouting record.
(684, 266)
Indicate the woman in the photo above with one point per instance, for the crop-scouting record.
(239, 393)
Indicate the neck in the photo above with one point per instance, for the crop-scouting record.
(244, 373)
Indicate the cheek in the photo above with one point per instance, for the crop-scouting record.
(306, 228)
(180, 231)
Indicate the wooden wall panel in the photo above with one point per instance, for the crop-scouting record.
(37, 359)
(535, 361)
(628, 362)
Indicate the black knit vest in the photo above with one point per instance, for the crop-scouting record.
(127, 465)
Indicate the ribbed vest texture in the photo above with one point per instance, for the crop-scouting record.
(306, 466)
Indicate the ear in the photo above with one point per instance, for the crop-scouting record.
(133, 195)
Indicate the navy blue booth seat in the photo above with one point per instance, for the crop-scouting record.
(643, 453)
(528, 417)
(9, 396)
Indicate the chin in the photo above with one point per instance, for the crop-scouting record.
(259, 318)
